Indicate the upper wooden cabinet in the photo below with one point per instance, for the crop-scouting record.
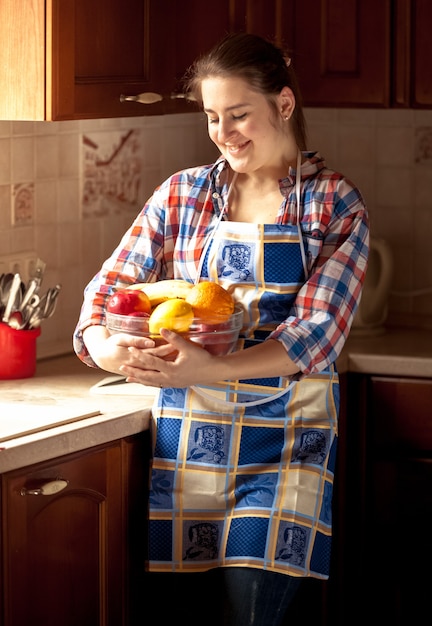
(342, 52)
(363, 53)
(22, 60)
(412, 86)
(98, 50)
(74, 59)
(195, 31)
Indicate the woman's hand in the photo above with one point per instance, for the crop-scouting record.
(177, 363)
(110, 352)
(180, 362)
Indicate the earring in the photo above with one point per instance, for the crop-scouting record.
(286, 118)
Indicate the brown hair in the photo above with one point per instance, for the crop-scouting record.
(259, 62)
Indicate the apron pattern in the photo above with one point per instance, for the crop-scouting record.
(247, 485)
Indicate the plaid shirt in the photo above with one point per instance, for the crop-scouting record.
(168, 236)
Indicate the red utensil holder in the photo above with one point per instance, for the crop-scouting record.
(17, 352)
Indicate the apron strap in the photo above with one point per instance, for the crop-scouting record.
(210, 236)
(298, 181)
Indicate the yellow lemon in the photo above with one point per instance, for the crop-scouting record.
(174, 314)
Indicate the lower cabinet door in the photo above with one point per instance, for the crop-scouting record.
(63, 549)
(399, 543)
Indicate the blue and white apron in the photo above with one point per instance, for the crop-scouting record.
(242, 471)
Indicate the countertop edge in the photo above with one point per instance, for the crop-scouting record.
(62, 440)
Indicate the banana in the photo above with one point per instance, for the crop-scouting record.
(164, 289)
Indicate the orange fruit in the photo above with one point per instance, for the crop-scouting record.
(210, 302)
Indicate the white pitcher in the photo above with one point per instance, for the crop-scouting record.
(373, 308)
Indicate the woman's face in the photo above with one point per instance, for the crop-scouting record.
(242, 124)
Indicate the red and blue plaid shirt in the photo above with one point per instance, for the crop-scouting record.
(168, 236)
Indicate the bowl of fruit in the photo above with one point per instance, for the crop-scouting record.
(205, 313)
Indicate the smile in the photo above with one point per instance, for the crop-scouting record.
(236, 148)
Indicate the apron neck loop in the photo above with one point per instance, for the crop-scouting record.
(299, 213)
(222, 212)
(297, 184)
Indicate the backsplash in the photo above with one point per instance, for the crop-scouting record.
(68, 191)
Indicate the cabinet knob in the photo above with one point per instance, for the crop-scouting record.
(47, 489)
(149, 97)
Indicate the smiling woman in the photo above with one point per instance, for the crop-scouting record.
(242, 131)
(238, 431)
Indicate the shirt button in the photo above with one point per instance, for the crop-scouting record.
(215, 195)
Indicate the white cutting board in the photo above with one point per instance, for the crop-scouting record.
(18, 419)
(117, 385)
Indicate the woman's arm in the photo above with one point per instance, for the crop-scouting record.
(182, 363)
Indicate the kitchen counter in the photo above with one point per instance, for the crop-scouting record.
(81, 418)
(55, 413)
(396, 352)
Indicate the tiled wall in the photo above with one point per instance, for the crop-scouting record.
(388, 153)
(62, 192)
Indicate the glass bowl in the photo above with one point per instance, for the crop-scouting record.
(217, 338)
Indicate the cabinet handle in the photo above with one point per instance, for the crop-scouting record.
(47, 489)
(182, 96)
(149, 97)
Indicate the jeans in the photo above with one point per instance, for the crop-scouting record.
(231, 596)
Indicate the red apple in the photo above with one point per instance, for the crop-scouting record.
(129, 301)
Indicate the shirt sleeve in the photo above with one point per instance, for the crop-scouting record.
(336, 231)
(142, 256)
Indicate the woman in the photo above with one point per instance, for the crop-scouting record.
(240, 500)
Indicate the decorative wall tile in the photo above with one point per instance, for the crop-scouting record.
(423, 148)
(111, 174)
(22, 204)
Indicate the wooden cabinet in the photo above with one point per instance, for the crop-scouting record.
(74, 59)
(398, 496)
(98, 51)
(349, 53)
(391, 500)
(73, 538)
(195, 31)
(342, 52)
(412, 54)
